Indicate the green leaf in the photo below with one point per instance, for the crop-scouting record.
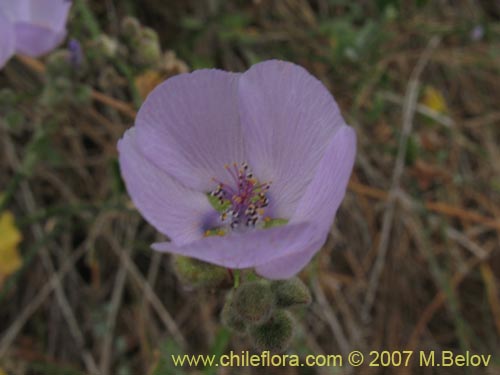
(218, 348)
(164, 365)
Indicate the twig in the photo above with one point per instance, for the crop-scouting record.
(420, 108)
(388, 218)
(119, 105)
(49, 265)
(440, 299)
(437, 207)
(9, 336)
(331, 318)
(463, 240)
(115, 303)
(141, 282)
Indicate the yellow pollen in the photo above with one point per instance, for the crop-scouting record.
(267, 219)
(207, 233)
(220, 232)
(252, 180)
(260, 211)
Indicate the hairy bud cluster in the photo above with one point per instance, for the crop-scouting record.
(259, 309)
(142, 41)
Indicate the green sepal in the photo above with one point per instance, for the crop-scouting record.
(198, 274)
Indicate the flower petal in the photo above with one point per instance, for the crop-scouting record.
(7, 41)
(49, 13)
(189, 127)
(288, 118)
(35, 40)
(319, 203)
(289, 265)
(327, 189)
(180, 213)
(248, 249)
(15, 10)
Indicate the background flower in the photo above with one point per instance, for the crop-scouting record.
(31, 27)
(279, 119)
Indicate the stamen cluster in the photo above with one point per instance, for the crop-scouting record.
(245, 203)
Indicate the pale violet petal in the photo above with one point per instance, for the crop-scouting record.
(7, 41)
(288, 118)
(327, 189)
(179, 212)
(248, 249)
(51, 14)
(189, 127)
(35, 40)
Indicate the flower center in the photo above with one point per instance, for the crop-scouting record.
(241, 202)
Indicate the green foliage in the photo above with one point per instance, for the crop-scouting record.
(412, 150)
(218, 348)
(292, 292)
(350, 42)
(164, 364)
(276, 334)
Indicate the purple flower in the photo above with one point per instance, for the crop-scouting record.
(240, 170)
(31, 27)
(75, 53)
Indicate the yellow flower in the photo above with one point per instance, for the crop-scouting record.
(434, 100)
(10, 237)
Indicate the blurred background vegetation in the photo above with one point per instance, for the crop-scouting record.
(413, 261)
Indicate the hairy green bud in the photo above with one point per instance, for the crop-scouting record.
(291, 292)
(59, 64)
(197, 273)
(276, 334)
(254, 301)
(146, 47)
(58, 92)
(106, 46)
(230, 317)
(130, 28)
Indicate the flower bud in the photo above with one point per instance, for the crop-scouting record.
(146, 48)
(276, 334)
(58, 92)
(197, 273)
(230, 317)
(291, 292)
(106, 46)
(254, 301)
(59, 64)
(130, 28)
